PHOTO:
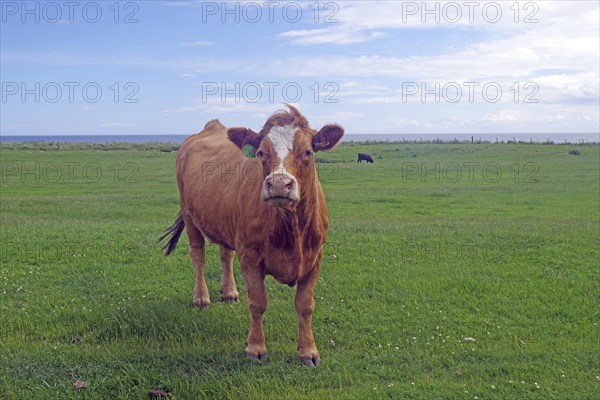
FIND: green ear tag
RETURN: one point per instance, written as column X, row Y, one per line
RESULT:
column 249, row 151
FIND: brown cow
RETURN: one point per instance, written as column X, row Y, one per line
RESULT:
column 270, row 209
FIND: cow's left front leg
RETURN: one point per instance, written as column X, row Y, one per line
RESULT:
column 305, row 304
column 257, row 304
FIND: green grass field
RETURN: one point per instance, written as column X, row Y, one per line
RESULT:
column 431, row 244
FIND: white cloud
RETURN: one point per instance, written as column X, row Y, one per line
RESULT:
column 362, row 18
column 504, row 116
column 198, row 43
column 565, row 40
column 554, row 118
column 361, row 21
column 327, row 36
column 566, row 37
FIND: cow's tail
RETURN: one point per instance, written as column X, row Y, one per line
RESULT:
column 175, row 232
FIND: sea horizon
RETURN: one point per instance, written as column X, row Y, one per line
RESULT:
column 558, row 138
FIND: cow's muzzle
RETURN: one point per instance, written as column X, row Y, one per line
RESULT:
column 280, row 190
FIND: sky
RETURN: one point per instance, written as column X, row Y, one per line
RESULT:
column 168, row 67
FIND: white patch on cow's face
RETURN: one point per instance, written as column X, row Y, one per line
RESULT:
column 282, row 138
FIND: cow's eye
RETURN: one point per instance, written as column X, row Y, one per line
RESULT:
column 308, row 153
column 260, row 154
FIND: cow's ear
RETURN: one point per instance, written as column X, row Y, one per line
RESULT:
column 327, row 137
column 243, row 136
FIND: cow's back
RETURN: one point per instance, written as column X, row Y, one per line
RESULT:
column 208, row 183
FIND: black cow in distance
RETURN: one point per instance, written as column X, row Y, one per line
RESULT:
column 365, row 157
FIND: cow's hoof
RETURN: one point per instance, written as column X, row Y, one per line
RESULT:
column 311, row 361
column 232, row 297
column 262, row 357
column 230, row 300
column 201, row 303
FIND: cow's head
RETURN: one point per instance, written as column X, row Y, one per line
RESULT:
column 286, row 146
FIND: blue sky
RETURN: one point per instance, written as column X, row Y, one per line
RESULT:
column 374, row 67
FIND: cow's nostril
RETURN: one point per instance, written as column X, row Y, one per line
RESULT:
column 289, row 185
